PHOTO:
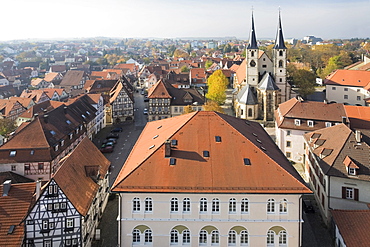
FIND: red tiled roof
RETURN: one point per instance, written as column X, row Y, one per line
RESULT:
column 355, row 78
column 13, row 209
column 359, row 116
column 354, row 226
column 241, row 72
column 147, row 170
column 159, row 91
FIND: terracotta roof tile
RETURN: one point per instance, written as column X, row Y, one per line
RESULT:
column 159, row 90
column 241, row 72
column 147, row 170
column 359, row 116
column 355, row 78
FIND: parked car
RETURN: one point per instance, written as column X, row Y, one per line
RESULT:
column 146, row 99
column 117, row 129
column 113, row 135
column 142, row 92
column 107, row 144
column 145, row 111
column 107, row 149
column 114, row 140
column 308, row 207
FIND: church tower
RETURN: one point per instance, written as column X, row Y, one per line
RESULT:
column 252, row 59
column 280, row 62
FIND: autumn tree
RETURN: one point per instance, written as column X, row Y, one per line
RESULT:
column 188, row 109
column 212, row 106
column 208, row 64
column 304, row 80
column 217, row 84
column 185, row 68
column 7, row 126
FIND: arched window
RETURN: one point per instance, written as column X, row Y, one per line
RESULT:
column 148, row 204
column 282, row 238
column 186, row 236
column 270, row 238
column 215, row 205
column 232, row 238
column 203, row 237
column 135, row 236
column 232, row 205
column 280, row 53
column 271, row 206
column 215, row 237
column 244, row 237
column 186, row 205
column 203, row 205
column 283, row 206
column 252, row 63
column 250, row 112
column 136, row 204
column 148, row 236
column 280, row 63
column 174, row 236
column 174, row 205
column 252, row 53
column 244, row 206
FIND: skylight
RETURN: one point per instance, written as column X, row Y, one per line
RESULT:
column 52, row 132
column 12, row 153
column 152, row 146
column 155, row 136
column 174, row 142
column 205, row 153
column 160, row 126
column 247, row 162
column 68, row 122
column 218, row 138
column 172, row 161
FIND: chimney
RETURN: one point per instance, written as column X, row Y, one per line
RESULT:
column 46, row 118
column 358, row 136
column 38, row 189
column 6, row 187
column 167, row 149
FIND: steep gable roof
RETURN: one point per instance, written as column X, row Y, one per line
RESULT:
column 72, row 78
column 159, row 90
column 224, row 171
column 241, row 72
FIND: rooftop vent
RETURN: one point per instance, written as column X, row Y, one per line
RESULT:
column 258, row 140
column 254, row 134
column 205, row 153
column 6, row 187
column 160, row 126
column 247, row 162
column 263, row 148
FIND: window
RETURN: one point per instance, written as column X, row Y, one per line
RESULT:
column 12, row 153
column 62, row 143
column 288, row 154
column 174, row 237
column 327, row 124
column 56, row 147
column 244, row 237
column 13, row 168
column 218, row 138
column 345, row 89
column 205, row 153
column 252, row 63
column 47, row 243
column 41, row 166
column 215, row 205
column 232, row 205
column 136, row 205
column 280, row 53
column 345, row 96
column 264, row 65
column 148, row 236
column 349, row 193
column 283, row 208
column 310, row 123
column 358, row 98
column 244, row 206
column 252, row 53
column 202, row 237
column 288, row 144
column 203, row 205
column 215, row 237
column 333, row 88
column 53, row 190
column 186, row 236
column 136, row 236
column 270, row 238
column 174, row 205
column 282, row 238
column 27, row 167
column 45, row 224
column 280, row 63
column 271, row 206
column 288, row 132
column 69, row 223
column 351, row 171
column 232, row 237
column 250, row 112
column 297, row 122
column 186, row 205
column 148, row 205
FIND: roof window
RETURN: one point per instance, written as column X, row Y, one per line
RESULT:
column 155, row 136
column 174, row 142
column 68, row 122
column 218, row 138
column 52, row 132
column 160, row 126
column 152, row 146
column 247, row 162
column 172, row 161
column 12, row 153
column 205, row 153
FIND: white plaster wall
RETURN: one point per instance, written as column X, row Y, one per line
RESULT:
column 257, row 221
column 297, row 143
column 337, row 95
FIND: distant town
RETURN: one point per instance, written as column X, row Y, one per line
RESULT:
column 185, row 142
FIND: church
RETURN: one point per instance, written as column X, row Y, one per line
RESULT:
column 261, row 84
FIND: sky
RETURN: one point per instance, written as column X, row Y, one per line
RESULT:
column 49, row 19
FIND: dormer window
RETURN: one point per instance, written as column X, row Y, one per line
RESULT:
column 297, row 122
column 327, row 124
column 310, row 123
column 70, row 136
column 62, row 143
column 350, row 166
column 56, row 148
column 12, row 153
column 351, row 171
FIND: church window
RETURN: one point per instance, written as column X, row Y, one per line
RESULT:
column 280, row 63
column 264, row 65
column 250, row 112
column 281, row 80
column 252, row 53
column 252, row 63
column 280, row 53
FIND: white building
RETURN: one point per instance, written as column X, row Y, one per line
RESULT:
column 204, row 179
column 349, row 87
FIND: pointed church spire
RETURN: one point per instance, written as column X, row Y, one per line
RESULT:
column 252, row 38
column 279, row 42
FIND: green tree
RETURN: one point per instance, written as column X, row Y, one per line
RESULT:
column 188, row 109
column 185, row 69
column 305, row 81
column 7, row 126
column 217, row 84
column 212, row 106
column 208, row 63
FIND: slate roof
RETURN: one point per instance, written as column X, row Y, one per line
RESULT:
column 73, row 168
column 14, row 177
column 224, row 171
column 246, row 96
column 267, row 83
column 13, row 208
column 252, row 37
column 354, row 226
column 279, row 41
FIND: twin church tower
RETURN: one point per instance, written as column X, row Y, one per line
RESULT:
column 264, row 86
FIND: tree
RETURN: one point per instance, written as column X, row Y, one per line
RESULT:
column 305, row 81
column 217, row 84
column 208, row 63
column 188, row 109
column 212, row 106
column 185, row 69
column 7, row 126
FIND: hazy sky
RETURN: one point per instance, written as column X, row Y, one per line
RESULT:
column 25, row 19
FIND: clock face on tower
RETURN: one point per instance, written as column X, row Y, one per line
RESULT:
column 252, row 63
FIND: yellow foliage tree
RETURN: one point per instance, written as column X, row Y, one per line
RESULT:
column 212, row 106
column 188, row 109
column 217, row 84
